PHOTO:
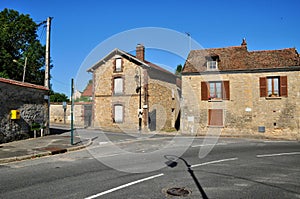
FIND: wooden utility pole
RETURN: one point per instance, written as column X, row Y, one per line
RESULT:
column 47, row 57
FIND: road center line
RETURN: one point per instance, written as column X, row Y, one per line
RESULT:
column 277, row 154
column 124, row 186
column 213, row 162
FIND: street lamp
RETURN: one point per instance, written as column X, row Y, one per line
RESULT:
column 138, row 80
column 24, row 70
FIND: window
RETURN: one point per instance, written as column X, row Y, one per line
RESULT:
column 215, row 90
column 212, row 62
column 215, row 117
column 273, row 86
column 118, row 64
column 118, row 85
column 212, row 65
column 118, row 113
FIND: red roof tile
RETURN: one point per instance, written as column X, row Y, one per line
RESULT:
column 23, row 84
column 239, row 58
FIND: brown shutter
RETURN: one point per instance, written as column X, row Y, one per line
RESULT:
column 283, row 86
column 263, row 86
column 215, row 117
column 225, row 90
column 204, row 91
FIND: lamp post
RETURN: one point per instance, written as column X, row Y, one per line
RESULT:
column 138, row 80
column 24, row 66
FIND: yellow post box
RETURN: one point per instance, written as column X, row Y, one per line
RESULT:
column 15, row 114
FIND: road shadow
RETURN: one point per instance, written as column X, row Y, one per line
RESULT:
column 172, row 162
column 58, row 131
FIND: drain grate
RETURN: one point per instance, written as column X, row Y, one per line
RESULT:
column 177, row 191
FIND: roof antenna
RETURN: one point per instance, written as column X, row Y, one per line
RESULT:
column 190, row 39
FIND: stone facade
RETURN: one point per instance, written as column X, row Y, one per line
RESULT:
column 247, row 110
column 26, row 98
column 159, row 94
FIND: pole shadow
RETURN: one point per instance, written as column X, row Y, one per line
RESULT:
column 172, row 162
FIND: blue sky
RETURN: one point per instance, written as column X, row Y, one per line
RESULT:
column 80, row 26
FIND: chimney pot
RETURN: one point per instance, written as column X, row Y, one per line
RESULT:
column 244, row 43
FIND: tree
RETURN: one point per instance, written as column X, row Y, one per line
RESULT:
column 58, row 97
column 18, row 39
column 178, row 70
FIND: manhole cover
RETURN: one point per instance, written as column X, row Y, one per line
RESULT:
column 177, row 191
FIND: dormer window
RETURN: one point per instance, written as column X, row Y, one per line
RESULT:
column 212, row 62
column 212, row 65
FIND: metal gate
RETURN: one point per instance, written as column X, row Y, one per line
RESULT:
column 87, row 115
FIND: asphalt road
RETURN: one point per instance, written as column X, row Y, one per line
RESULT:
column 133, row 166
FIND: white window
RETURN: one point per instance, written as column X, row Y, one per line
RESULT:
column 212, row 65
column 119, row 64
column 118, row 85
column 118, row 113
column 215, row 90
column 273, row 86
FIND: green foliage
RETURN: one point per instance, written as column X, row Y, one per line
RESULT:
column 58, row 97
column 83, row 99
column 18, row 39
column 178, row 70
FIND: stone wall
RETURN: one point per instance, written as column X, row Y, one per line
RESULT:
column 246, row 111
column 59, row 117
column 29, row 100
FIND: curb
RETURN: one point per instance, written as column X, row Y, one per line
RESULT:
column 43, row 154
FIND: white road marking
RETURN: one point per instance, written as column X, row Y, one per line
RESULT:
column 100, row 143
column 278, row 141
column 278, row 154
column 213, row 162
column 200, row 145
column 124, row 186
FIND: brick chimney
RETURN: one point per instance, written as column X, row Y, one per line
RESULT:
column 140, row 52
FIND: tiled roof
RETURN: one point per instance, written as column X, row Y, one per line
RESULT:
column 88, row 91
column 239, row 58
column 23, row 84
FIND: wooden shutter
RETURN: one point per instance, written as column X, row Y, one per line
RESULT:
column 118, row 85
column 118, row 113
column 118, row 64
column 215, row 117
column 283, row 86
column 263, row 86
column 204, row 91
column 225, row 90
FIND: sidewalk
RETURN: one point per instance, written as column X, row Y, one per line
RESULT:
column 38, row 147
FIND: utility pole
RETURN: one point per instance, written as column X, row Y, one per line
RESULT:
column 47, row 73
column 72, row 110
column 47, row 57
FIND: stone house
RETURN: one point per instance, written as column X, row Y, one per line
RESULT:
column 240, row 92
column 130, row 93
column 21, row 105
